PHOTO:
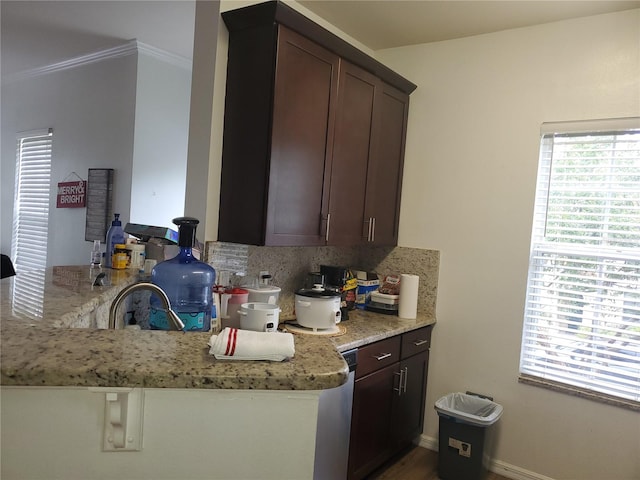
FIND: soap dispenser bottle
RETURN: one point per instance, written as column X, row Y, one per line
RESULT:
column 187, row 281
column 115, row 235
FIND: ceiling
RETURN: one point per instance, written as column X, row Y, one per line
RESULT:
column 39, row 33
column 396, row 23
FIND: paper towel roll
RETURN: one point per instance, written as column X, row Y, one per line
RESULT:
column 408, row 307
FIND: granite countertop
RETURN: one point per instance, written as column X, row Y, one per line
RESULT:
column 43, row 351
column 62, row 296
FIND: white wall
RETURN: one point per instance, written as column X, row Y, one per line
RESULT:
column 91, row 111
column 160, row 141
column 129, row 113
column 470, row 169
column 205, row 123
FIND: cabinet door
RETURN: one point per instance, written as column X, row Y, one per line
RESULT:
column 384, row 181
column 373, row 398
column 305, row 91
column 408, row 408
column 351, row 153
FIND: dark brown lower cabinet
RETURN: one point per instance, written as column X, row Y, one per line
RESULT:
column 388, row 399
column 370, row 426
column 408, row 409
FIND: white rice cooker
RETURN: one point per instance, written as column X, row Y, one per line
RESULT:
column 317, row 307
column 264, row 294
column 259, row 316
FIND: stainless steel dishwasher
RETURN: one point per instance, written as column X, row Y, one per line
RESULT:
column 334, row 426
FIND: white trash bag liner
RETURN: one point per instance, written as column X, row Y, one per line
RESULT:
column 469, row 409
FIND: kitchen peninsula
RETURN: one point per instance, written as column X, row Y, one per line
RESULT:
column 203, row 418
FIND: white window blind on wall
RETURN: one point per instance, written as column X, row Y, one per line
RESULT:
column 582, row 314
column 31, row 205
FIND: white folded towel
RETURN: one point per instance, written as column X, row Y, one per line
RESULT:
column 235, row 344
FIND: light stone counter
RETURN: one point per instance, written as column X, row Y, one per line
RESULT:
column 62, row 296
column 40, row 351
column 365, row 327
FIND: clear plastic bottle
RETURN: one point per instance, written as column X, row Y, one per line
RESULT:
column 187, row 281
column 115, row 235
column 96, row 254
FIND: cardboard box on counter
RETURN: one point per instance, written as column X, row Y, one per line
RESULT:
column 368, row 282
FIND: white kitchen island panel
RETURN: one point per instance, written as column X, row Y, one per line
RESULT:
column 57, row 433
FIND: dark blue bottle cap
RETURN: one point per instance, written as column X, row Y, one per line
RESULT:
column 186, row 230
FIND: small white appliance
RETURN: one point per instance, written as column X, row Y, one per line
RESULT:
column 317, row 307
column 264, row 294
column 259, row 316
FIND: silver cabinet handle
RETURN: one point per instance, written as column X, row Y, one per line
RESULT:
column 382, row 356
column 419, row 343
column 399, row 389
column 373, row 230
column 370, row 227
column 328, row 223
column 406, row 375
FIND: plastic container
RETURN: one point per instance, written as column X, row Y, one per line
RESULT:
column 259, row 316
column 466, row 435
column 187, row 281
column 385, row 298
column 264, row 294
column 115, row 235
column 136, row 256
column 120, row 259
column 383, row 303
column 230, row 301
column 96, row 254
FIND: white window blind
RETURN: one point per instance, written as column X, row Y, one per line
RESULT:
column 31, row 221
column 31, row 205
column 582, row 314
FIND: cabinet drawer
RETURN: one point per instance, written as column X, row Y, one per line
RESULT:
column 416, row 341
column 377, row 355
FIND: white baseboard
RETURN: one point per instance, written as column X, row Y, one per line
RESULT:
column 497, row 466
column 429, row 443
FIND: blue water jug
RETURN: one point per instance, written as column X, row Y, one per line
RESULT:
column 187, row 281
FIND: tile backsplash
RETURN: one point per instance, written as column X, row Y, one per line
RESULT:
column 289, row 266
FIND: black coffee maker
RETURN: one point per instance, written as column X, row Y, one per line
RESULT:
column 341, row 280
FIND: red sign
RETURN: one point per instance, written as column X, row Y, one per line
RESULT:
column 72, row 194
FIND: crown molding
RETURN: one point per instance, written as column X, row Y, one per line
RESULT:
column 163, row 55
column 130, row 48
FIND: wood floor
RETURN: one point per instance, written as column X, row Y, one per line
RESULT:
column 418, row 464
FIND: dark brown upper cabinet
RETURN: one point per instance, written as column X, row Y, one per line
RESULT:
column 352, row 147
column 314, row 135
column 384, row 176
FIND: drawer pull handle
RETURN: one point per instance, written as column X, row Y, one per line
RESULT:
column 419, row 343
column 382, row 356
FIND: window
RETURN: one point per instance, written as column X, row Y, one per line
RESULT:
column 582, row 315
column 31, row 219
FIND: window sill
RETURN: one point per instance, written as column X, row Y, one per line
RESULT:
column 579, row 392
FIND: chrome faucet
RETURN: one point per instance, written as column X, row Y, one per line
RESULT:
column 173, row 317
